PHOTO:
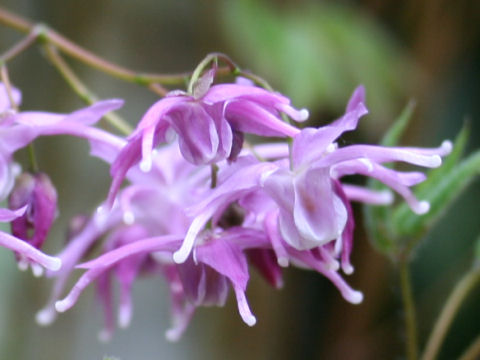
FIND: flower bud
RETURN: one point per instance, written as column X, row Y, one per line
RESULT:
column 37, row 192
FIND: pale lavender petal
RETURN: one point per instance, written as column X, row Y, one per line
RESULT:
column 5, row 103
column 249, row 117
column 30, row 252
column 320, row 216
column 7, row 215
column 368, row 196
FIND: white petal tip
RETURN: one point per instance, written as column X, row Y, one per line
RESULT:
column 303, row 115
column 250, row 320
column 104, row 336
column 386, row 197
column 37, row 270
column 128, row 217
column 45, row 317
column 172, row 335
column 179, row 256
column 62, row 305
column 422, row 207
column 356, row 297
column 446, row 147
column 145, row 166
column 54, row 264
column 124, row 317
column 22, row 265
column 347, row 269
column 283, row 262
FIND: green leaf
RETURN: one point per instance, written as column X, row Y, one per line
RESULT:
column 476, row 254
column 378, row 218
column 436, row 175
column 440, row 193
column 317, row 53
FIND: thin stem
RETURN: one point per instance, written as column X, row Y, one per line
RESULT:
column 256, row 79
column 450, row 309
column 19, row 47
column 65, row 45
column 409, row 308
column 473, row 351
column 8, row 86
column 81, row 90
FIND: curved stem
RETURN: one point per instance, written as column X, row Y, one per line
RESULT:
column 450, row 309
column 409, row 308
column 473, row 351
column 8, row 86
column 66, row 46
column 81, row 90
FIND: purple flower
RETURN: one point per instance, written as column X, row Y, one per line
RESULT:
column 38, row 194
column 23, row 249
column 210, row 124
column 313, row 204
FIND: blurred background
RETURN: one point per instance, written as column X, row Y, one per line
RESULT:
column 316, row 52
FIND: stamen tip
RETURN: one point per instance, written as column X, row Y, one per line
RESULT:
column 45, row 317
column 303, row 115
column 446, row 147
column 62, row 305
column 347, row 269
column 104, row 336
column 128, row 217
column 282, row 261
column 250, row 320
column 422, row 208
column 356, row 297
column 145, row 166
column 179, row 256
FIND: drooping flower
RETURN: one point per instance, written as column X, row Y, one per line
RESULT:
column 17, row 130
column 37, row 193
column 210, row 124
column 24, row 249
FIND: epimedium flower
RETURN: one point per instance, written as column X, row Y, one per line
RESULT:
column 313, row 203
column 23, row 248
column 37, row 193
column 17, row 130
column 209, row 123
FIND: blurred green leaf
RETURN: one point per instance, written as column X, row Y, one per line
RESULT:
column 437, row 175
column 440, row 192
column 378, row 218
column 476, row 254
column 317, row 53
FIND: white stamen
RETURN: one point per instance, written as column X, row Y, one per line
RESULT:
column 347, row 269
column 53, row 263
column 62, row 305
column 303, row 115
column 145, row 165
column 104, row 336
column 355, row 297
column 128, row 217
column 282, row 261
column 446, row 147
column 124, row 316
column 172, row 335
column 45, row 317
column 422, row 207
column 386, row 197
column 22, row 265
column 37, row 270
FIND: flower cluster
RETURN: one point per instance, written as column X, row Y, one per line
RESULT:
column 201, row 204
